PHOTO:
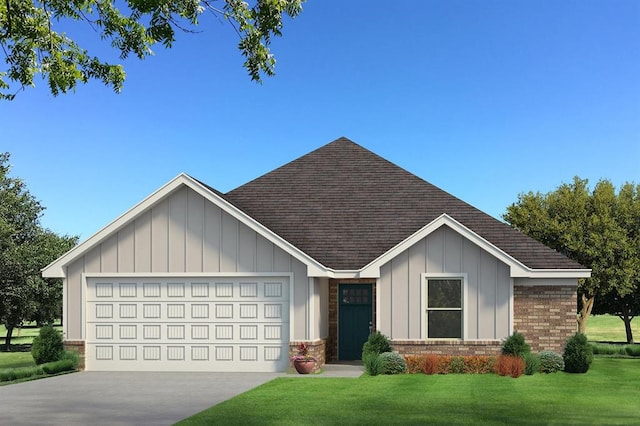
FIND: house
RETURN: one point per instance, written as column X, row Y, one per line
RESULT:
column 323, row 250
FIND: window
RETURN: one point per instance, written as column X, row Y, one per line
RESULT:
column 444, row 308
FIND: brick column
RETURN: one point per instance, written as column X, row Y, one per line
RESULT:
column 545, row 315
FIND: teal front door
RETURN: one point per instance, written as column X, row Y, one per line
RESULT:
column 355, row 316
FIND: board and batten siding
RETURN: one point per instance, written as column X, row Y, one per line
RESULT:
column 444, row 251
column 184, row 233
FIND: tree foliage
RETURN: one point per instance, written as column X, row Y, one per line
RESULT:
column 33, row 40
column 25, row 248
column 599, row 228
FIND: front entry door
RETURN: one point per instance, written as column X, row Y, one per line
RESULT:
column 354, row 319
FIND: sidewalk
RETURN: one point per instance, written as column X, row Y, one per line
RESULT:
column 336, row 370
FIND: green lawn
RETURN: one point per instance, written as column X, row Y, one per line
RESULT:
column 607, row 394
column 16, row 360
column 610, row 328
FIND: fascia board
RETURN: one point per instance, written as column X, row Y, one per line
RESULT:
column 517, row 268
column 57, row 268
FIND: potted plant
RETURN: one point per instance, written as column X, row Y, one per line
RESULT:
column 303, row 362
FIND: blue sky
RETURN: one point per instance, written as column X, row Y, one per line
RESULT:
column 485, row 99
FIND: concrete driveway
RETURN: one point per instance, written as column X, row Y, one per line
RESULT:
column 101, row 398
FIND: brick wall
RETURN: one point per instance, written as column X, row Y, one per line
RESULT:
column 448, row 347
column 76, row 346
column 545, row 315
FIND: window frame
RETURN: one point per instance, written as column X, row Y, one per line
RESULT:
column 425, row 277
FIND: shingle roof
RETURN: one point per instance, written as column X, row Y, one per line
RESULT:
column 345, row 206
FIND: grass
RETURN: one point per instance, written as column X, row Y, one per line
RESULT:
column 610, row 328
column 607, row 394
column 16, row 360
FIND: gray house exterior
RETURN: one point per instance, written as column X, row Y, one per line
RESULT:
column 322, row 250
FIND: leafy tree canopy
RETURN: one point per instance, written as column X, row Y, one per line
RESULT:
column 33, row 42
column 599, row 228
column 25, row 248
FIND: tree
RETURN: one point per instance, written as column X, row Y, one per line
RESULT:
column 33, row 40
column 25, row 248
column 600, row 229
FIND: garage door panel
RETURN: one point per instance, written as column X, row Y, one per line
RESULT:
column 216, row 324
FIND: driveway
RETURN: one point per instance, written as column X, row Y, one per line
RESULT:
column 106, row 398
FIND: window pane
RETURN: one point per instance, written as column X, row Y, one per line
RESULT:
column 445, row 324
column 444, row 294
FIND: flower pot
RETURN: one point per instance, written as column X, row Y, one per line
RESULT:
column 304, row 366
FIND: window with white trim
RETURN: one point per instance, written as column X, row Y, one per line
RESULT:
column 444, row 308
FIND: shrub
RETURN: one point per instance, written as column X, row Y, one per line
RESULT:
column 479, row 364
column 392, row 363
column 7, row 375
column 531, row 363
column 515, row 345
column 376, row 344
column 457, row 364
column 414, row 363
column 431, row 364
column 372, row 364
column 47, row 346
column 550, row 362
column 56, row 367
column 73, row 356
column 632, row 350
column 577, row 354
column 509, row 365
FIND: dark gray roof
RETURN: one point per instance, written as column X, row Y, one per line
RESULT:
column 345, row 206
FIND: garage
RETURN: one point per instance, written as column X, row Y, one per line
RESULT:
column 187, row 323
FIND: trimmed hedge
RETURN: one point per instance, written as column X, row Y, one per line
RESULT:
column 444, row 364
column 47, row 345
column 69, row 362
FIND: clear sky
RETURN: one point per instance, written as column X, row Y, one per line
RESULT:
column 485, row 99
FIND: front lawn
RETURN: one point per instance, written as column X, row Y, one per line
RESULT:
column 610, row 328
column 607, row 394
column 16, row 360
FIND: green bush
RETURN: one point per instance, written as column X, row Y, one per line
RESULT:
column 7, row 375
column 577, row 354
column 73, row 356
column 392, row 363
column 632, row 350
column 56, row 367
column 457, row 365
column 372, row 364
column 550, row 362
column 515, row 345
column 531, row 363
column 376, row 344
column 47, row 346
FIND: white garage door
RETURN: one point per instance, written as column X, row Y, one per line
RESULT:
column 210, row 324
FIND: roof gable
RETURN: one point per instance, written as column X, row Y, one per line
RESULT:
column 346, row 207
column 57, row 268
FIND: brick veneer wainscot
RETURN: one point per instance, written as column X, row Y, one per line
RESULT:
column 545, row 315
column 78, row 347
column 317, row 349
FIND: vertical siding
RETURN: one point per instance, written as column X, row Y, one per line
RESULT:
column 159, row 244
column 400, row 296
column 142, row 243
column 186, row 233
column 229, row 244
column 195, row 232
column 177, row 231
column 417, row 266
column 212, row 237
column 126, row 248
column 445, row 251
